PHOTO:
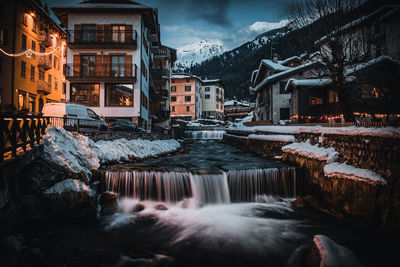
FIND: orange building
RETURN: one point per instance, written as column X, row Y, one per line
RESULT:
column 29, row 81
column 186, row 100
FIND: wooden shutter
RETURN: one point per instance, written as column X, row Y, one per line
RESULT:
column 77, row 65
column 78, row 33
column 99, row 33
column 129, row 32
column 107, row 33
column 106, row 66
column 128, row 65
column 98, row 66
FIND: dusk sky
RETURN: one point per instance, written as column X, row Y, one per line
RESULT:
column 188, row 21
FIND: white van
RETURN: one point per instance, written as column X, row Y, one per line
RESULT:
column 74, row 116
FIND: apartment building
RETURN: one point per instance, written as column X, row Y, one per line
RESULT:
column 186, row 102
column 29, row 81
column 212, row 96
column 108, row 56
column 160, row 85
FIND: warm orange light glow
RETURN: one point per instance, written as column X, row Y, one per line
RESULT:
column 32, row 14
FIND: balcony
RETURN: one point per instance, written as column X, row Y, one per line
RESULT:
column 160, row 52
column 43, row 87
column 159, row 94
column 160, row 74
column 44, row 62
column 101, row 72
column 45, row 39
column 102, row 39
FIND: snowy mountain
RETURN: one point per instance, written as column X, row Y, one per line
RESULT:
column 196, row 53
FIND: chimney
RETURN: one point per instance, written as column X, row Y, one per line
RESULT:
column 275, row 58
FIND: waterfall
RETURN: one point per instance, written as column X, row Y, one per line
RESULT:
column 224, row 187
column 208, row 135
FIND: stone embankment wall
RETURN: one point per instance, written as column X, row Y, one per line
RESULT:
column 371, row 202
column 109, row 136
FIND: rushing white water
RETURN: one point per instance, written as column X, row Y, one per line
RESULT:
column 223, row 187
column 205, row 135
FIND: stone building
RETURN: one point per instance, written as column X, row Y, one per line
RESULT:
column 109, row 56
column 29, row 81
column 212, row 96
column 186, row 102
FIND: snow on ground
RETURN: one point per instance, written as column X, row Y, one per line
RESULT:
column 342, row 170
column 333, row 254
column 281, row 138
column 79, row 153
column 310, row 151
column 352, row 130
column 70, row 185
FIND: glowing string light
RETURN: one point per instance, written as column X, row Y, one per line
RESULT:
column 29, row 52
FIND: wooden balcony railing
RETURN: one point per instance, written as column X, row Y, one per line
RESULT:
column 99, row 37
column 100, row 71
column 44, row 62
column 43, row 87
column 45, row 39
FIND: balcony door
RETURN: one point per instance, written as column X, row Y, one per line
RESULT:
column 118, row 33
column 87, row 66
column 88, row 33
column 117, row 66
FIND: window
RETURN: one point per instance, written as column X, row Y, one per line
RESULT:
column 188, row 80
column 144, row 69
column 173, row 81
column 41, row 75
column 333, row 97
column 56, row 64
column 217, row 106
column 23, row 69
column 282, row 86
column 217, row 90
column 173, row 89
column 188, row 98
column 207, row 96
column 49, row 80
column 119, row 95
column 32, row 104
column 207, row 89
column 173, row 108
column 3, row 37
column 23, row 42
column 144, row 100
column 55, row 83
column 32, row 73
column 173, row 98
column 144, row 41
column 64, row 88
column 87, row 66
column 188, row 88
column 87, row 94
column 315, row 101
column 117, row 66
column 33, row 45
column 21, row 100
column 88, row 33
column 118, row 34
column 92, row 114
column 34, row 25
column 187, row 108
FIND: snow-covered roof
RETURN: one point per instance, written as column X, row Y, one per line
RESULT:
column 314, row 54
column 253, row 75
column 184, row 76
column 285, row 61
column 236, row 103
column 308, row 83
column 274, row 66
column 364, row 65
column 285, row 73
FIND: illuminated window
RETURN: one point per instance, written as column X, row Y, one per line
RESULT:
column 119, row 95
column 315, row 101
column 21, row 100
column 118, row 33
column 86, row 94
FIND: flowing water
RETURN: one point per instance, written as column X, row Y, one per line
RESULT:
column 220, row 207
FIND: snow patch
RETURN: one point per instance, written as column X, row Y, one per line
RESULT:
column 333, row 254
column 70, row 185
column 350, row 172
column 315, row 152
column 280, row 138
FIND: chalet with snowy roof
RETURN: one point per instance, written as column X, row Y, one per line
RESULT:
column 269, row 85
column 186, row 102
column 237, row 109
column 212, row 97
column 108, row 56
column 373, row 76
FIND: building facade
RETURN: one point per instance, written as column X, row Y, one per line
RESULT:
column 29, row 81
column 160, row 85
column 186, row 101
column 212, row 96
column 237, row 109
column 109, row 56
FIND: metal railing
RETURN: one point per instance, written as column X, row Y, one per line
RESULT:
column 158, row 74
column 45, row 39
column 82, row 37
column 44, row 87
column 101, row 70
column 18, row 133
column 44, row 62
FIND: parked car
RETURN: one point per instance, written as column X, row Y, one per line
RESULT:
column 73, row 116
column 123, row 125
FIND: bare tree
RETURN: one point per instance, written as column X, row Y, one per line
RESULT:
column 344, row 43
